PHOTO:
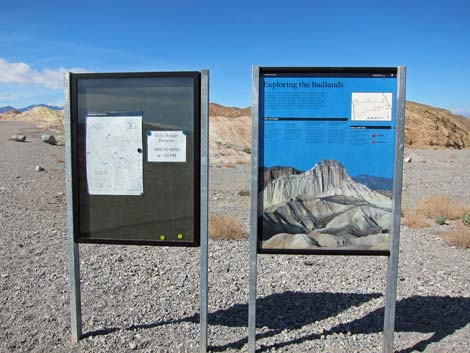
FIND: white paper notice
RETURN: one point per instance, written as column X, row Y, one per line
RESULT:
column 166, row 146
column 368, row 106
column 114, row 155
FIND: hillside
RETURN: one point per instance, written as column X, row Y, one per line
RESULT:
column 429, row 127
column 228, row 112
column 43, row 117
column 230, row 135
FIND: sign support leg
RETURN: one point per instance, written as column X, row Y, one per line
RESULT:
column 392, row 266
column 254, row 212
column 204, row 208
column 74, row 288
column 390, row 300
column 72, row 247
column 252, row 296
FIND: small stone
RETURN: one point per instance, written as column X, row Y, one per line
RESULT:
column 39, row 168
column 50, row 139
column 407, row 159
column 18, row 138
column 244, row 192
column 132, row 346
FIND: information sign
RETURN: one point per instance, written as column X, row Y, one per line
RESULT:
column 326, row 159
column 136, row 158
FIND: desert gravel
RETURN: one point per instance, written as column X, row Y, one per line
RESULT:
column 146, row 299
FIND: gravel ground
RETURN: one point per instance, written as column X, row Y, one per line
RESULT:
column 146, row 299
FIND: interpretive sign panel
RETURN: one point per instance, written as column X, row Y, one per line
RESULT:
column 326, row 159
column 136, row 158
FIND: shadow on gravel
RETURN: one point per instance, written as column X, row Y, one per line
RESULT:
column 101, row 332
column 288, row 310
column 441, row 316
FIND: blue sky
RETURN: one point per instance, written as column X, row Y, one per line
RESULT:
column 41, row 39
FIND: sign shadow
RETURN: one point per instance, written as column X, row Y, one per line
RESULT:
column 441, row 316
column 287, row 310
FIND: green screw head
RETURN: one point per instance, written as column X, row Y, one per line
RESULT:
column 180, row 236
column 162, row 237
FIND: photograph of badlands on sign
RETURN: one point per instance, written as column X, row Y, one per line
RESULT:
column 324, row 207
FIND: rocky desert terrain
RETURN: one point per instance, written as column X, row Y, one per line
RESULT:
column 145, row 299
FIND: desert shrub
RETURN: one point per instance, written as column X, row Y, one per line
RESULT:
column 246, row 150
column 243, row 192
column 459, row 236
column 466, row 218
column 441, row 220
column 412, row 219
column 225, row 227
column 440, row 205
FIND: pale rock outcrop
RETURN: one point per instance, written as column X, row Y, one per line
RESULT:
column 326, row 206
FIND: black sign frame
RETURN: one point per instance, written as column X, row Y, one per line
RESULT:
column 73, row 89
column 257, row 225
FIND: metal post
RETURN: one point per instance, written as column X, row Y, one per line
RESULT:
column 72, row 247
column 392, row 267
column 254, row 212
column 204, row 207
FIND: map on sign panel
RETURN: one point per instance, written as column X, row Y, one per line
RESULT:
column 114, row 155
column 371, row 106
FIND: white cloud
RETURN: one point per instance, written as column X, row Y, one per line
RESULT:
column 22, row 73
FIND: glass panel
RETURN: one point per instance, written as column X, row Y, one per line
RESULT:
column 163, row 110
column 326, row 161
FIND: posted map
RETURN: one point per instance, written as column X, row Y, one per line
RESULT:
column 366, row 106
column 114, row 155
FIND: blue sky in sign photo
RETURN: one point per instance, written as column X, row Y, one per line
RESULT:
column 40, row 40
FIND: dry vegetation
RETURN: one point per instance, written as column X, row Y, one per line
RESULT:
column 229, row 165
column 440, row 205
column 413, row 219
column 459, row 236
column 225, row 227
column 445, row 207
column 432, row 207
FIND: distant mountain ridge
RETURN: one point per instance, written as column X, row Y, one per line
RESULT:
column 29, row 107
column 230, row 138
column 374, row 182
column 40, row 115
column 6, row 109
column 228, row 112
